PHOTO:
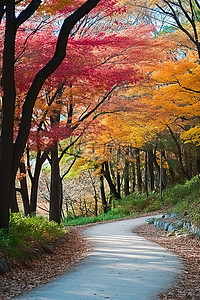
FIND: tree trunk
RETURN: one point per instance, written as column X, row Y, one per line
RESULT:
column 146, row 174
column 95, row 195
column 133, row 177
column 158, row 167
column 151, row 171
column 8, row 106
column 40, row 159
column 14, row 204
column 118, row 172
column 24, row 190
column 55, row 190
column 103, row 195
column 118, row 183
column 126, row 174
column 107, row 176
column 139, row 175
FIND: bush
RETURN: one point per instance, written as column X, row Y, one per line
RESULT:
column 24, row 232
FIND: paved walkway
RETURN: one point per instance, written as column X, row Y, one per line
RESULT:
column 121, row 266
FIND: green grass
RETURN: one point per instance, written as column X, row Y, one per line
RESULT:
column 110, row 215
column 24, row 232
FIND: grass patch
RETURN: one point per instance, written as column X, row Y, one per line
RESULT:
column 110, row 215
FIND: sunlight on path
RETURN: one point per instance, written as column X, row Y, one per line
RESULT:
column 121, row 266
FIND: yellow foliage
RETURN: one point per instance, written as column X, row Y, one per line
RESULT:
column 192, row 136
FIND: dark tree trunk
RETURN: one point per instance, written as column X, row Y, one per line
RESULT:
column 126, row 174
column 107, row 176
column 198, row 164
column 40, row 159
column 55, row 190
column 13, row 199
column 8, row 106
column 139, row 175
column 112, row 172
column 151, row 170
column 14, row 204
column 24, row 190
column 133, row 177
column 188, row 162
column 103, row 195
column 95, row 205
column 118, row 183
column 118, row 172
column 157, row 167
column 146, row 174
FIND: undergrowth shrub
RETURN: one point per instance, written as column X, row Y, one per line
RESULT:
column 24, row 232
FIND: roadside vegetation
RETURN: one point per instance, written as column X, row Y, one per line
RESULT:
column 182, row 199
column 24, row 232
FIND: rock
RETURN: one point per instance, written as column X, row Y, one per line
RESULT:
column 48, row 248
column 198, row 232
column 173, row 215
column 167, row 216
column 180, row 223
column 172, row 227
column 36, row 253
column 150, row 220
column 4, row 266
column 166, row 226
column 155, row 222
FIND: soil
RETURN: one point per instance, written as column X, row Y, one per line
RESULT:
column 67, row 254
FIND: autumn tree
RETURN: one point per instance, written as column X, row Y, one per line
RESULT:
column 12, row 150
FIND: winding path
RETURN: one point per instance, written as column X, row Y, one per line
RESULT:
column 121, row 266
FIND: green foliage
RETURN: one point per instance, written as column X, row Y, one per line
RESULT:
column 187, row 191
column 139, row 203
column 24, row 232
column 184, row 199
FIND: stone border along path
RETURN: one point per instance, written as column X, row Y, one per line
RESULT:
column 121, row 266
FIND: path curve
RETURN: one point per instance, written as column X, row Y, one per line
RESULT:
column 121, row 266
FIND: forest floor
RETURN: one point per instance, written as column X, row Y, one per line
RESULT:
column 41, row 270
column 67, row 255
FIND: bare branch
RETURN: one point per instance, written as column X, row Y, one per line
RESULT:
column 74, row 160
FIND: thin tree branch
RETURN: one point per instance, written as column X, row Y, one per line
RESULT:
column 74, row 160
column 95, row 108
column 185, row 88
